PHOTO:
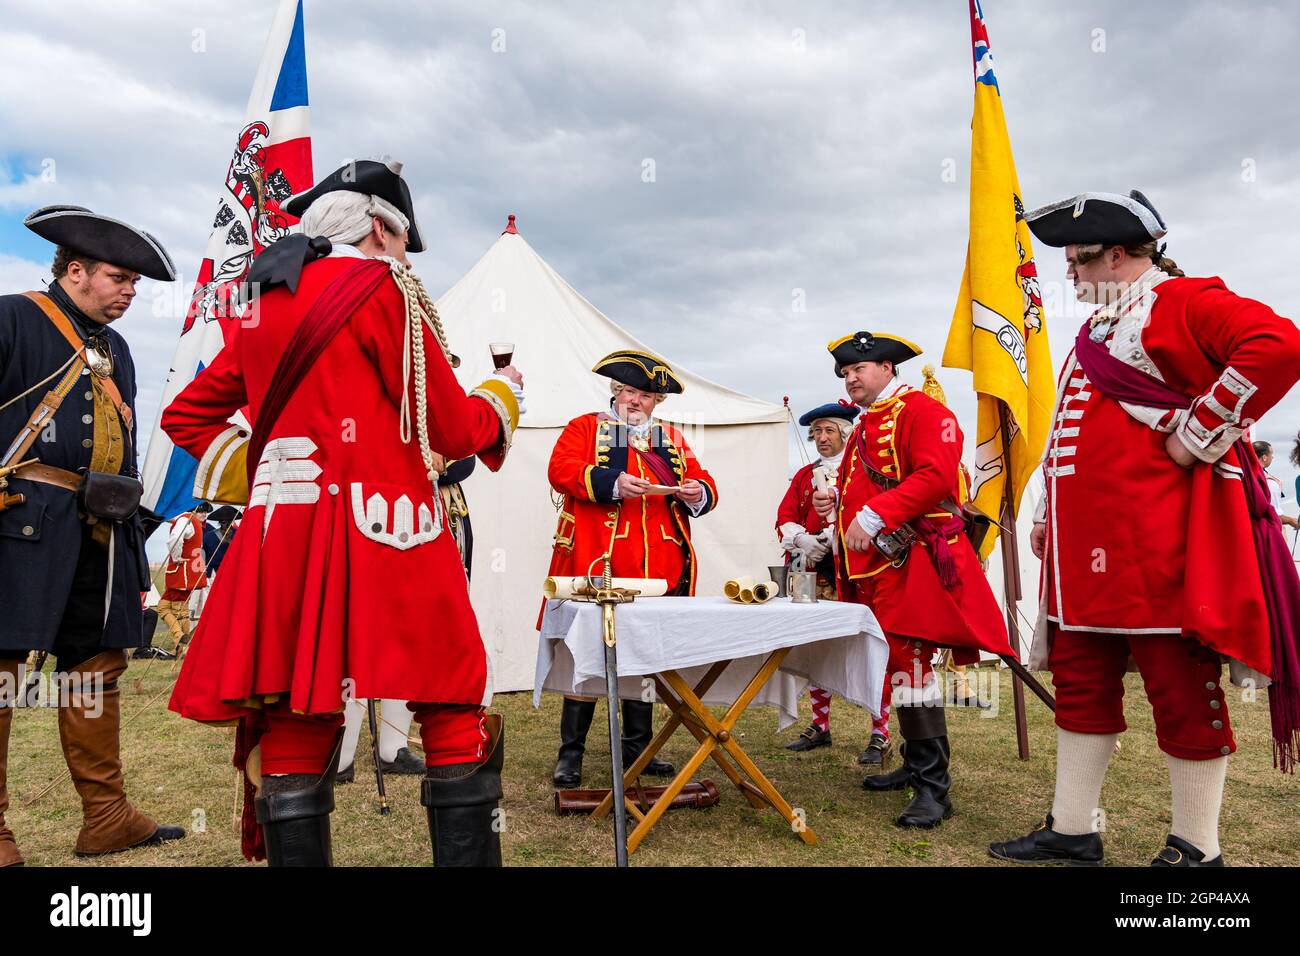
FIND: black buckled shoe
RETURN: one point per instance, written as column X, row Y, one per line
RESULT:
column 1178, row 852
column 575, row 721
column 347, row 775
column 1045, row 845
column 810, row 739
column 461, row 802
column 927, row 760
column 404, row 763
column 152, row 653
column 638, row 729
column 877, row 752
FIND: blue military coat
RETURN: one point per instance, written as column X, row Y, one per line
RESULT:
column 41, row 538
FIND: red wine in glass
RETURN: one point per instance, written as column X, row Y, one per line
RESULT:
column 502, row 353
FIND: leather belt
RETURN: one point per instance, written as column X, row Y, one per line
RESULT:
column 49, row 475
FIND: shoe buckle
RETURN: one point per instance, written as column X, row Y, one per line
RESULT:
column 1178, row 855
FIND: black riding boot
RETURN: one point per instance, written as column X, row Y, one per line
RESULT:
column 575, row 721
column 638, row 728
column 461, row 801
column 926, row 760
column 294, row 811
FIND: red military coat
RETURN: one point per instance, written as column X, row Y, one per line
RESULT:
column 650, row 536
column 183, row 571
column 912, row 437
column 1136, row 544
column 343, row 565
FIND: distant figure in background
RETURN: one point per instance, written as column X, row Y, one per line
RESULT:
column 185, row 571
column 1264, row 452
column 217, row 532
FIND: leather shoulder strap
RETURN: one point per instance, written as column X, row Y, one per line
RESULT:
column 64, row 325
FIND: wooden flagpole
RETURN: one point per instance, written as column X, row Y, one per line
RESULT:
column 1011, row 596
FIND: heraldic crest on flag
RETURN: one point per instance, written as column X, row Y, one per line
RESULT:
column 997, row 328
column 271, row 162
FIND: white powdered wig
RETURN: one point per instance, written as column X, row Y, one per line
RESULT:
column 344, row 216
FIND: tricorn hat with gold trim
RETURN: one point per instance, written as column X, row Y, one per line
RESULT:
column 870, row 347
column 641, row 370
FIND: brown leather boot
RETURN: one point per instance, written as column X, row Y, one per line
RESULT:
column 9, row 855
column 89, row 725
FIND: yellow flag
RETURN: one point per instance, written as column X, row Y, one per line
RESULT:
column 997, row 328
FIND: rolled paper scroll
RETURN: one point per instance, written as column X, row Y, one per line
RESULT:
column 764, row 591
column 565, row 588
column 733, row 587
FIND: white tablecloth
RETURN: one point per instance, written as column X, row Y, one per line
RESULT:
column 837, row 646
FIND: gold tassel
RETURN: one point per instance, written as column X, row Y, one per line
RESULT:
column 931, row 386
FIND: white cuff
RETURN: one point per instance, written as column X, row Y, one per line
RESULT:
column 516, row 390
column 788, row 532
column 697, row 507
column 870, row 522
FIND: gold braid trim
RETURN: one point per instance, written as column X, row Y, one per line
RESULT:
column 420, row 313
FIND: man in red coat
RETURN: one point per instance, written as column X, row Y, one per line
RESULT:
column 897, row 492
column 184, row 572
column 343, row 570
column 1145, row 534
column 613, row 469
column 801, row 530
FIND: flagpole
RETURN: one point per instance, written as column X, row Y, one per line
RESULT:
column 1011, row 594
column 1011, row 588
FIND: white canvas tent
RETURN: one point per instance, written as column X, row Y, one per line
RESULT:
column 512, row 295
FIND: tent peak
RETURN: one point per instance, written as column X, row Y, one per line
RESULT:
column 510, row 226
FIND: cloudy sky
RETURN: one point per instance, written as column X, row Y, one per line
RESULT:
column 795, row 147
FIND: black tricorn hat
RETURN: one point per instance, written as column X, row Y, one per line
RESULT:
column 99, row 237
column 870, row 347
column 641, row 370
column 369, row 177
column 1108, row 218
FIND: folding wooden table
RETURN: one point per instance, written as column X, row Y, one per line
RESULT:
column 854, row 669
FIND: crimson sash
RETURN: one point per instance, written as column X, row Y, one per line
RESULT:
column 324, row 320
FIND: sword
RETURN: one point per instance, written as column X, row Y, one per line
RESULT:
column 602, row 591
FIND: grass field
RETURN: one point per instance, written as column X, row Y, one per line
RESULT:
column 179, row 772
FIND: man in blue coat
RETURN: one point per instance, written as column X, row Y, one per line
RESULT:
column 72, row 558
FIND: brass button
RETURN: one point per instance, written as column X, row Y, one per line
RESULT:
column 333, row 489
column 1214, row 705
column 376, row 527
column 1225, row 750
column 87, row 419
column 87, row 442
column 89, row 396
column 1210, row 685
column 85, row 371
column 1217, row 724
column 28, row 530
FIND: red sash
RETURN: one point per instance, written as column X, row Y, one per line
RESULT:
column 324, row 320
